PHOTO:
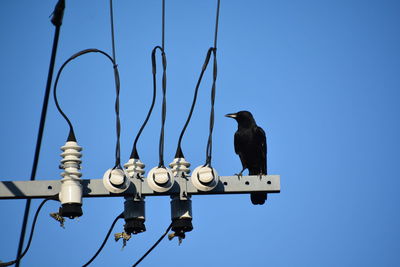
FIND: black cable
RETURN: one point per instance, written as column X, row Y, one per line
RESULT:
column 105, row 239
column 164, row 110
column 20, row 256
column 216, row 25
column 71, row 136
column 118, row 121
column 112, row 30
column 152, row 247
column 56, row 20
column 134, row 153
column 179, row 153
column 117, row 87
column 209, row 142
column 163, row 26
column 213, row 89
column 213, row 50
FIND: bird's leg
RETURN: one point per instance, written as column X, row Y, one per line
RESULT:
column 240, row 174
column 261, row 175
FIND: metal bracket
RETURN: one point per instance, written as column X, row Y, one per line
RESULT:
column 138, row 183
column 95, row 187
column 182, row 180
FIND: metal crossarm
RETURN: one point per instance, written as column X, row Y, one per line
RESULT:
column 95, row 187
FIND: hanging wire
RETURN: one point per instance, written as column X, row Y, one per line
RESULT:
column 16, row 261
column 105, row 240
column 117, row 87
column 112, row 30
column 56, row 20
column 213, row 88
column 213, row 51
column 152, row 247
column 179, row 153
column 134, row 153
column 163, row 26
column 71, row 136
column 164, row 109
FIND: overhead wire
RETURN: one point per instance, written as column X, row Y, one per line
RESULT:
column 118, row 122
column 134, row 153
column 152, row 247
column 20, row 256
column 56, row 20
column 71, row 136
column 213, row 90
column 105, row 240
column 211, row 51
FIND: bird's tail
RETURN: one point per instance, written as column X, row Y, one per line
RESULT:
column 258, row 198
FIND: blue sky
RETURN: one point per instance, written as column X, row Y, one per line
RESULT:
column 321, row 77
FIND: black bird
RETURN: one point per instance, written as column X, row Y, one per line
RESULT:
column 251, row 146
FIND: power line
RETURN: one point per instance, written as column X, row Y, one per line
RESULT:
column 20, row 256
column 105, row 239
column 56, row 20
column 152, row 247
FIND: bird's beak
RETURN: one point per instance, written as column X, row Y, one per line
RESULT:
column 231, row 115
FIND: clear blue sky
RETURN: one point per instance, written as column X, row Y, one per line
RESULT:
column 321, row 77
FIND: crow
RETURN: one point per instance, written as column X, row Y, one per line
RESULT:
column 251, row 146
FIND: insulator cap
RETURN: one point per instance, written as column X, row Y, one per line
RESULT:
column 116, row 180
column 204, row 178
column 160, row 179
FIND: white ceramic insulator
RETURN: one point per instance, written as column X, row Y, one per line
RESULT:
column 180, row 165
column 134, row 166
column 160, row 179
column 204, row 178
column 116, row 180
column 71, row 188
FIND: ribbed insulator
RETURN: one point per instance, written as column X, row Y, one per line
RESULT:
column 71, row 161
column 134, row 166
column 71, row 188
column 180, row 165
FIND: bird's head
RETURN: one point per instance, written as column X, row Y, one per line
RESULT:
column 244, row 118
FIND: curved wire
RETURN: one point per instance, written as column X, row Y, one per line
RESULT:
column 212, row 50
column 105, row 240
column 134, row 153
column 213, row 89
column 152, row 247
column 30, row 236
column 179, row 153
column 117, row 86
column 164, row 110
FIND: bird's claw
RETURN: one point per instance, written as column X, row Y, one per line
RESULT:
column 239, row 175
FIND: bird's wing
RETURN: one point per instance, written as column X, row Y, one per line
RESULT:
column 262, row 139
column 237, row 143
column 239, row 148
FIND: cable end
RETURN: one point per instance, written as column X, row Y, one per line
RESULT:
column 179, row 153
column 71, row 136
column 134, row 154
column 58, row 13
